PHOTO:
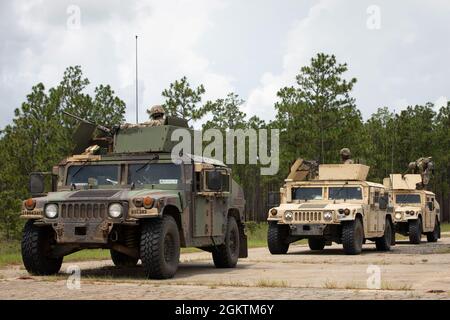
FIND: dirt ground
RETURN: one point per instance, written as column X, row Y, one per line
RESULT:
column 407, row 272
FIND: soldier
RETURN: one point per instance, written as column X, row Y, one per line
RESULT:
column 346, row 156
column 157, row 118
column 424, row 167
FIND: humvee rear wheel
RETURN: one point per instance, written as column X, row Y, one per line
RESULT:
column 316, row 243
column 160, row 247
column 384, row 243
column 277, row 238
column 415, row 231
column 352, row 236
column 435, row 234
column 36, row 250
column 226, row 255
column 122, row 260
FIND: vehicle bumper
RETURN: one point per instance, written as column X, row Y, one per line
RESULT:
column 307, row 229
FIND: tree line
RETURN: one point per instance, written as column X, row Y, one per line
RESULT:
column 317, row 116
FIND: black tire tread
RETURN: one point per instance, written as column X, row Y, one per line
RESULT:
column 33, row 256
column 415, row 231
column 151, row 250
column 276, row 238
column 220, row 254
column 381, row 243
column 348, row 237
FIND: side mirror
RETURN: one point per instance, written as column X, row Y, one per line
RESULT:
column 383, row 202
column 38, row 183
column 214, row 180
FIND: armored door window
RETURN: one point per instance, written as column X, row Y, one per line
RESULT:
column 430, row 205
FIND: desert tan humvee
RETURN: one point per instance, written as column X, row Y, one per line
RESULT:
column 330, row 203
column 416, row 212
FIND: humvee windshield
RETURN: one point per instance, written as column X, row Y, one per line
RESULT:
column 154, row 173
column 103, row 174
column 307, row 193
column 407, row 198
column 346, row 193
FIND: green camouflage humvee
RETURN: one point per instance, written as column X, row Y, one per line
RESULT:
column 124, row 193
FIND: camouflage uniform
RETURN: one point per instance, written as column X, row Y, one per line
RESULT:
column 423, row 166
column 157, row 118
column 346, row 156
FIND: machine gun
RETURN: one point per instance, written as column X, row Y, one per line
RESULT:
column 423, row 166
column 97, row 126
column 84, row 135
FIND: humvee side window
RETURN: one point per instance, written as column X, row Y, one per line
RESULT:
column 225, row 182
column 103, row 174
column 307, row 193
column 430, row 206
column 155, row 173
column 346, row 193
column 407, row 198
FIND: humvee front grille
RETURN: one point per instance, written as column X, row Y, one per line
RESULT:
column 92, row 211
column 308, row 216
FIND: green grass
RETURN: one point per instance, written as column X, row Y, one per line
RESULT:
column 445, row 227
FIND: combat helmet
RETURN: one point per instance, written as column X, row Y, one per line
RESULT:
column 156, row 112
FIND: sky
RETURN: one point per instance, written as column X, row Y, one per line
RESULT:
column 398, row 50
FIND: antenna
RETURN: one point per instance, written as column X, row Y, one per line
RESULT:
column 137, row 83
column 393, row 144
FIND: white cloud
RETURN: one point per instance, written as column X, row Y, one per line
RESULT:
column 404, row 58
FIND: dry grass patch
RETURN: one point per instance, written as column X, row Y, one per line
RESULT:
column 272, row 283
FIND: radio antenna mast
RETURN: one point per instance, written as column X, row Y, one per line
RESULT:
column 137, row 84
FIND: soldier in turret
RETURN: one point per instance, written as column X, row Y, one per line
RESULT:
column 346, row 156
column 157, row 118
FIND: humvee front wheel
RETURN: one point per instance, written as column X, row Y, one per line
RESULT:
column 352, row 236
column 384, row 243
column 277, row 238
column 122, row 260
column 434, row 235
column 160, row 247
column 415, row 231
column 36, row 250
column 227, row 254
column 316, row 243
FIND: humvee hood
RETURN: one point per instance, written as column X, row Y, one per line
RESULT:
column 106, row 194
column 319, row 206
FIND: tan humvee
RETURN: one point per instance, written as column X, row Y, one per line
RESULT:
column 416, row 212
column 332, row 204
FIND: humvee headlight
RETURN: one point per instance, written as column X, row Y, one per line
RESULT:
column 288, row 216
column 328, row 215
column 30, row 204
column 346, row 211
column 115, row 210
column 273, row 212
column 51, row 211
column 148, row 202
column 138, row 202
column 398, row 215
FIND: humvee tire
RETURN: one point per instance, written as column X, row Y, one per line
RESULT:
column 352, row 236
column 384, row 243
column 316, row 244
column 435, row 234
column 36, row 250
column 122, row 260
column 160, row 247
column 226, row 255
column 415, row 231
column 276, row 238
